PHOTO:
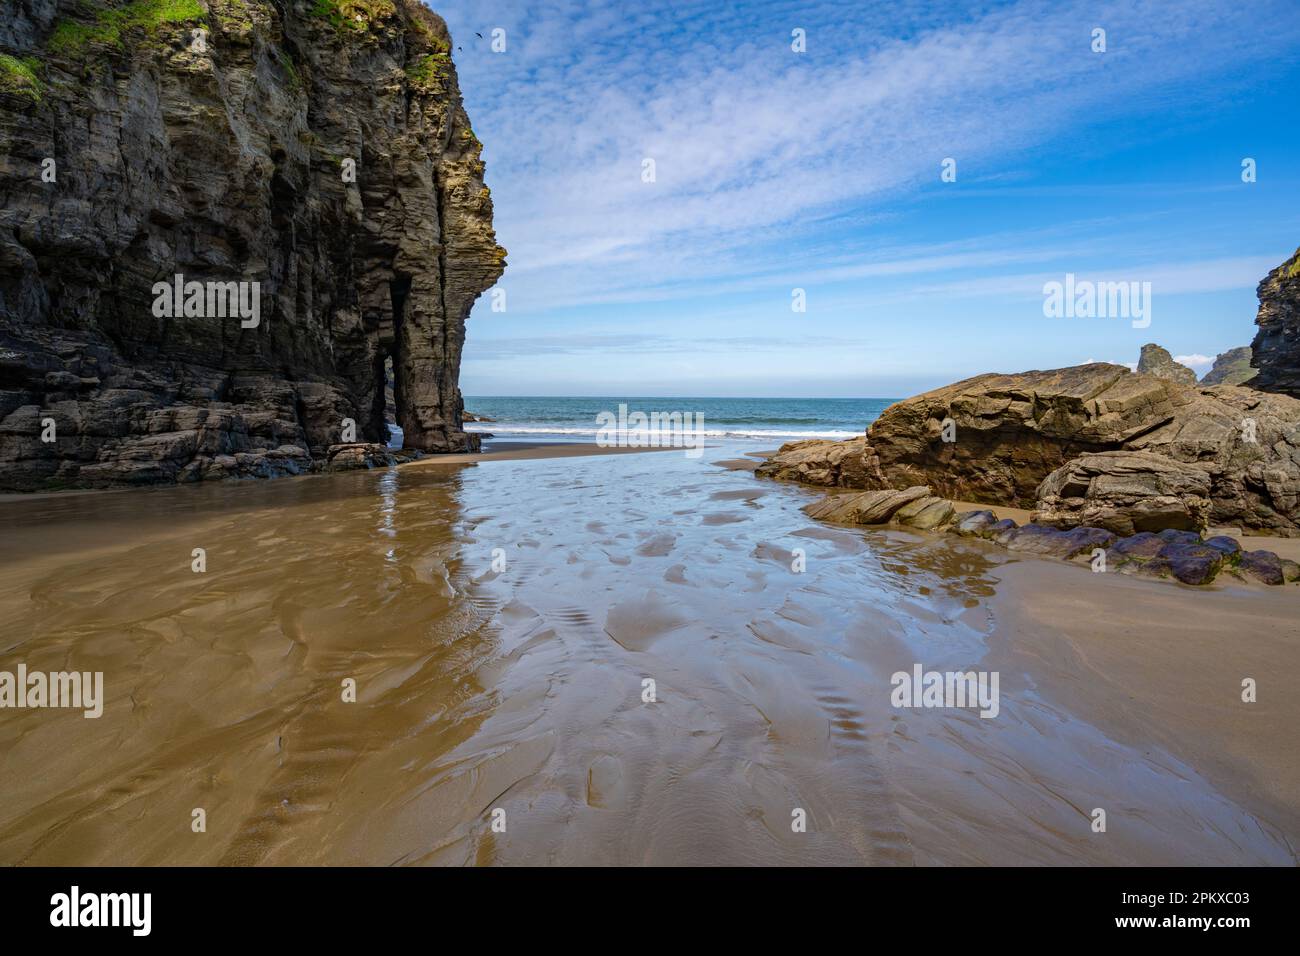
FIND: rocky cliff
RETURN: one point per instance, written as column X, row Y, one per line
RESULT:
column 218, row 220
column 1276, row 349
column 1231, row 368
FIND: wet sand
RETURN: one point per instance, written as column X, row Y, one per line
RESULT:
column 522, row 689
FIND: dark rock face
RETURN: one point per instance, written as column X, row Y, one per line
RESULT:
column 1264, row 566
column 1040, row 539
column 1225, row 543
column 1276, row 349
column 1157, row 361
column 1189, row 563
column 1140, row 546
column 231, row 161
column 1231, row 368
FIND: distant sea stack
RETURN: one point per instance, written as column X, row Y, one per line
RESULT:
column 1231, row 368
column 1277, row 343
column 1157, row 361
column 218, row 223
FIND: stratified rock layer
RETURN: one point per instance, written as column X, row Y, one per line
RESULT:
column 1276, row 349
column 1142, row 452
column 231, row 160
column 1125, row 492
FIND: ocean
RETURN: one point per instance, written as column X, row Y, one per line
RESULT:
column 744, row 419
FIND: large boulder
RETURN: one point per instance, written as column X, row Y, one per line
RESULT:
column 925, row 513
column 1189, row 562
column 819, row 462
column 1125, row 492
column 971, row 524
column 1158, row 362
column 353, row 455
column 869, row 507
column 1040, row 539
column 1276, row 349
column 1264, row 566
column 1011, row 432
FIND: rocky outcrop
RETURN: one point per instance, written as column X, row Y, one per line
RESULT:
column 1008, row 432
column 870, row 507
column 997, row 439
column 1231, row 368
column 314, row 155
column 1172, row 554
column 355, row 455
column 1125, row 492
column 817, row 461
column 1248, row 443
column 1053, row 542
column 1158, row 362
column 1276, row 349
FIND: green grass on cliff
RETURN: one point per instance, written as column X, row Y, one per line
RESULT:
column 290, row 71
column 1293, row 270
column 19, row 76
column 428, row 72
column 357, row 15
column 71, row 37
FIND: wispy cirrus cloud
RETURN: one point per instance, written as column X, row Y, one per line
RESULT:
column 607, row 344
column 777, row 170
column 759, row 151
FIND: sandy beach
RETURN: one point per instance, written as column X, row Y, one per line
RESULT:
column 500, row 623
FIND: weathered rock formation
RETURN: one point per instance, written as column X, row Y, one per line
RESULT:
column 317, row 148
column 1157, row 361
column 1170, row 554
column 1125, row 492
column 1231, row 368
column 1093, row 443
column 1008, row 433
column 818, row 461
column 1276, row 349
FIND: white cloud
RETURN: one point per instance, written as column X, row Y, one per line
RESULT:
column 755, row 146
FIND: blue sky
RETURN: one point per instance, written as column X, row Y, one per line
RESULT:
column 777, row 170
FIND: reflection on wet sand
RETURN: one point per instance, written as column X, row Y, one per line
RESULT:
column 522, row 689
